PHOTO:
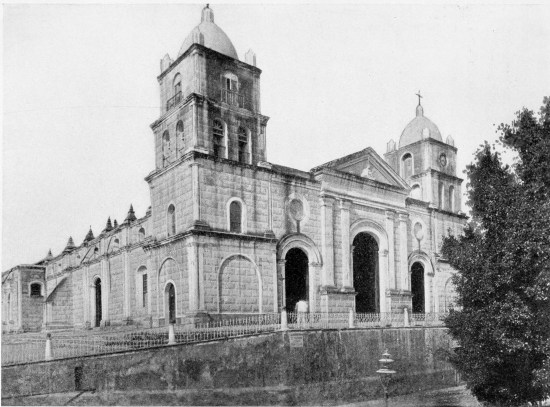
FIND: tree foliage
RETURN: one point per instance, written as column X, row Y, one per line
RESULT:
column 502, row 324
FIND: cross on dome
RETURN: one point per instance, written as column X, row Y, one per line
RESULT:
column 419, row 108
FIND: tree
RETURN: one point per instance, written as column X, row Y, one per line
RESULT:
column 502, row 322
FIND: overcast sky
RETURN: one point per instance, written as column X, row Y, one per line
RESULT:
column 80, row 92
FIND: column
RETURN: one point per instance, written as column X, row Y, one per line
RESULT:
column 126, row 265
column 281, row 280
column 383, row 280
column 427, row 188
column 327, row 241
column 269, row 205
column 105, row 289
column 86, row 294
column 346, row 246
column 194, row 128
column 200, row 274
column 403, row 252
column 392, row 272
column 150, row 268
column 275, row 283
column 19, row 301
column 314, row 270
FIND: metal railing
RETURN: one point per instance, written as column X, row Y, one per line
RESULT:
column 35, row 347
column 173, row 101
column 232, row 98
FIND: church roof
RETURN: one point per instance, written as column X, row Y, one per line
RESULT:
column 418, row 129
column 210, row 35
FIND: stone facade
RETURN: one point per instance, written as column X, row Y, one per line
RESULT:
column 229, row 233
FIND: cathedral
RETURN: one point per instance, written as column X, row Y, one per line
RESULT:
column 229, row 233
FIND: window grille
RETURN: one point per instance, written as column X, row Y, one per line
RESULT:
column 144, row 291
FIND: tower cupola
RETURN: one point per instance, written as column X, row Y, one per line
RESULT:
column 207, row 33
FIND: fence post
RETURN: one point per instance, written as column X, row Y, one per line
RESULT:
column 48, row 355
column 171, row 335
column 406, row 316
column 284, row 323
column 351, row 319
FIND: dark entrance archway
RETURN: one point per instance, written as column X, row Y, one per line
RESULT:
column 170, row 294
column 296, row 278
column 417, row 287
column 365, row 273
column 98, row 315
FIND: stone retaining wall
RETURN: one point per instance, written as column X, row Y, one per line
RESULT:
column 308, row 366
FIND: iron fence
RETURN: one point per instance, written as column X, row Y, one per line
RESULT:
column 34, row 347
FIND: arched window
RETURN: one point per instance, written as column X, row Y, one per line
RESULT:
column 171, row 220
column 451, row 200
column 407, row 166
column 165, row 147
column 244, row 156
column 218, row 138
column 177, row 85
column 441, row 195
column 141, row 234
column 179, row 135
column 36, row 290
column 235, row 217
column 142, row 284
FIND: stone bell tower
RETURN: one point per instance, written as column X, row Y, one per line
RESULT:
column 210, row 100
column 427, row 163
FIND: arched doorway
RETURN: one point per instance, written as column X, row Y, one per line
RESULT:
column 170, row 298
column 417, row 287
column 98, row 316
column 365, row 273
column 296, row 278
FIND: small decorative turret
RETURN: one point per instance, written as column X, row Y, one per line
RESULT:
column 49, row 256
column 89, row 236
column 70, row 245
column 115, row 224
column 108, row 226
column 131, row 215
column 207, row 14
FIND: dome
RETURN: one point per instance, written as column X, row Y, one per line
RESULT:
column 210, row 35
column 418, row 129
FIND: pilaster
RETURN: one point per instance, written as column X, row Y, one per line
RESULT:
column 327, row 241
column 403, row 252
column 85, row 294
column 194, row 276
column 126, row 302
column 346, row 247
column 105, row 291
column 281, row 264
column 392, row 272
